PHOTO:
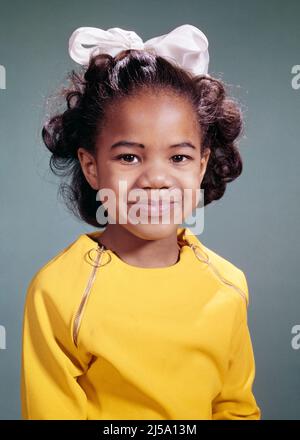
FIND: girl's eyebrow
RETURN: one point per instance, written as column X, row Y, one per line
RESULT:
column 136, row 144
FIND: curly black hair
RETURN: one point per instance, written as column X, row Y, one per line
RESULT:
column 107, row 79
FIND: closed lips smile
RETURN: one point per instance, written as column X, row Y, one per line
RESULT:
column 153, row 207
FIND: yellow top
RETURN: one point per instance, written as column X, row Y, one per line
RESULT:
column 103, row 339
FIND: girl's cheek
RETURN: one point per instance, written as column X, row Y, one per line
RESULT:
column 192, row 181
column 192, row 194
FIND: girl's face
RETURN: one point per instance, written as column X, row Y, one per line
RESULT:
column 139, row 146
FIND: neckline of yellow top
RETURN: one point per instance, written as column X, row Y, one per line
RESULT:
column 187, row 241
column 191, row 251
column 98, row 256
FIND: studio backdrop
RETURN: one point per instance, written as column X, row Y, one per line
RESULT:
column 255, row 49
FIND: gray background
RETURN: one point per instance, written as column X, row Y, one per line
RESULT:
column 253, row 46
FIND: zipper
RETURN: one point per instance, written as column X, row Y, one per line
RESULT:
column 207, row 261
column 79, row 313
column 98, row 263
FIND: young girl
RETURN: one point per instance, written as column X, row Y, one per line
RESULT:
column 140, row 320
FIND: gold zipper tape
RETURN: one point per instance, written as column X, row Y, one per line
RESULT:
column 216, row 271
column 79, row 313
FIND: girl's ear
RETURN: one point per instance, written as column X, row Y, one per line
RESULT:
column 204, row 161
column 88, row 166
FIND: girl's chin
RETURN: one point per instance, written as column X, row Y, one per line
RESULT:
column 151, row 231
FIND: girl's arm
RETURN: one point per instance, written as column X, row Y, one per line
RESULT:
column 236, row 400
column 50, row 366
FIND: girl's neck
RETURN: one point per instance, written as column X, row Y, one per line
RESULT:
column 140, row 252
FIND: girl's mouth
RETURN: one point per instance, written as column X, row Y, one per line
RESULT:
column 153, row 208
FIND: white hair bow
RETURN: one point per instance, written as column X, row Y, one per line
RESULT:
column 186, row 45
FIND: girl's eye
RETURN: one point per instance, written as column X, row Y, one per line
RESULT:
column 181, row 155
column 127, row 157
column 123, row 156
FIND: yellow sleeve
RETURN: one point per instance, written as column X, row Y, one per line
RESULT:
column 49, row 366
column 236, row 400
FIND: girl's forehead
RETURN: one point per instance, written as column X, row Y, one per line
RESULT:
column 155, row 99
column 144, row 111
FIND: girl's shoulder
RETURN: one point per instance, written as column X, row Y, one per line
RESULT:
column 224, row 270
column 230, row 272
column 59, row 279
column 58, row 262
column 229, row 279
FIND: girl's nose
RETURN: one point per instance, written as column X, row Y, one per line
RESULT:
column 156, row 175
